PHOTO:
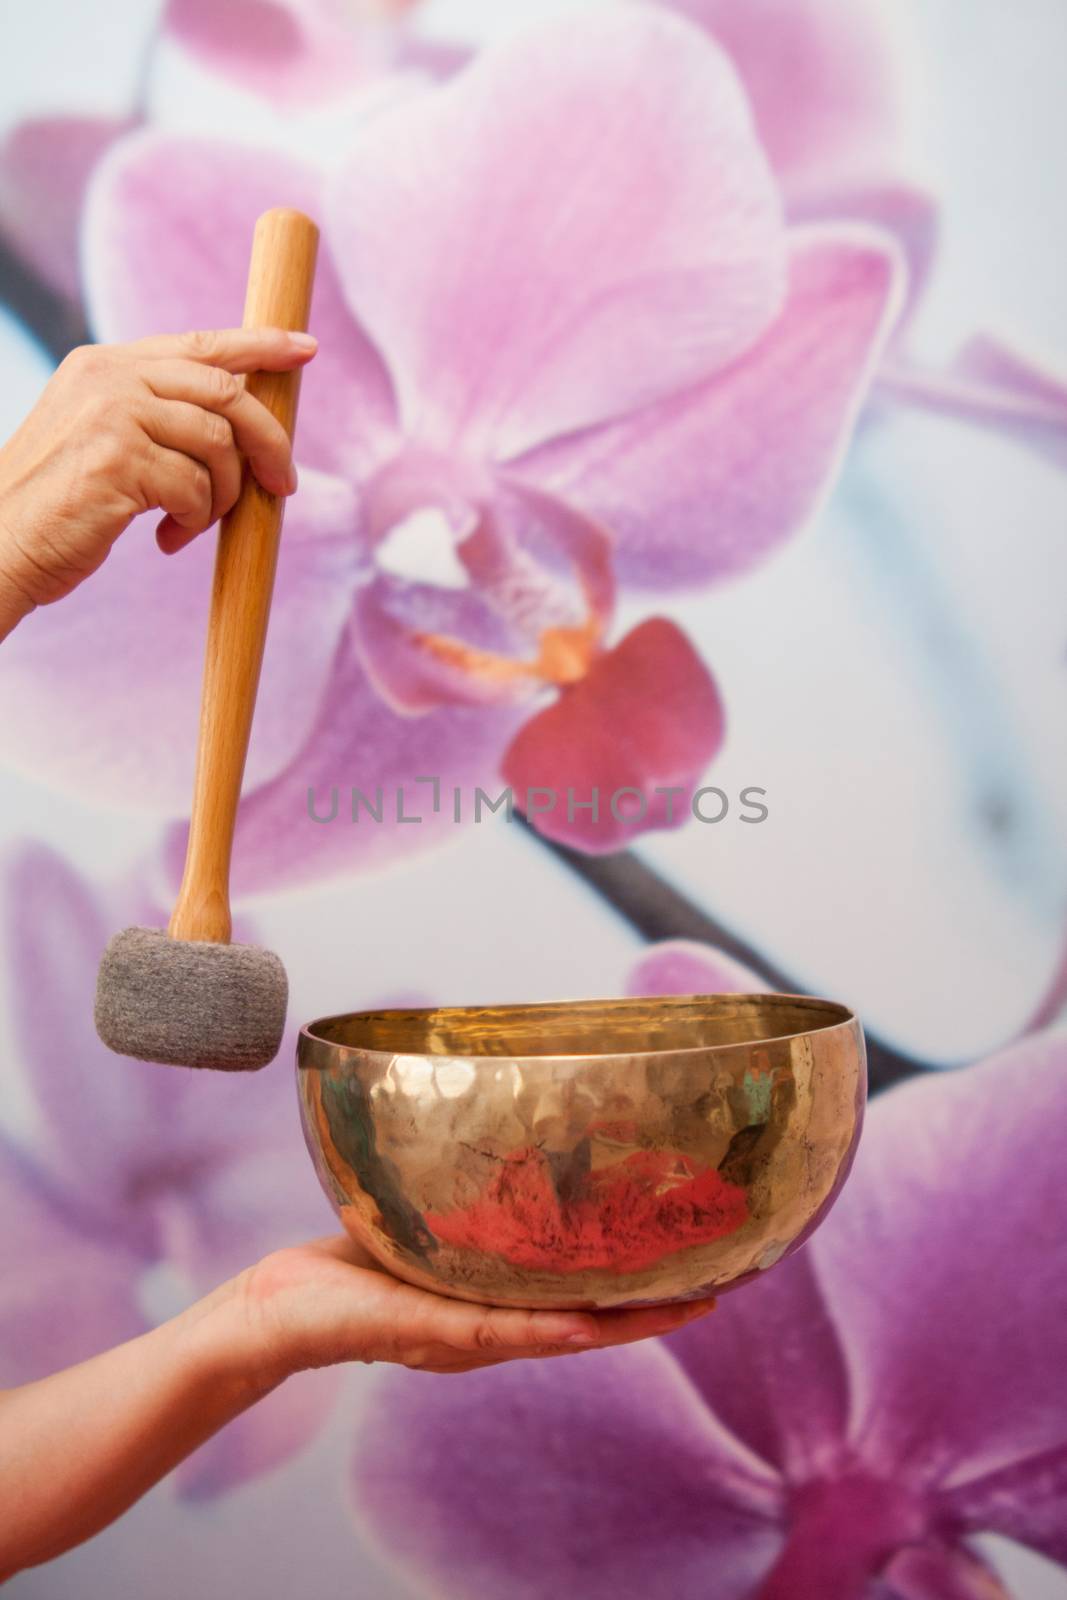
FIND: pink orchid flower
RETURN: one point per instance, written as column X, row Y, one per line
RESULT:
column 682, row 966
column 138, row 1172
column 568, row 344
column 843, row 1428
column 828, row 96
column 293, row 53
column 821, row 76
column 828, row 90
column 994, row 385
column 45, row 164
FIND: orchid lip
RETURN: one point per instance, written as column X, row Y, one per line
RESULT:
column 565, row 657
column 535, row 570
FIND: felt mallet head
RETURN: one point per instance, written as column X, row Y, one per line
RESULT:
column 191, row 1003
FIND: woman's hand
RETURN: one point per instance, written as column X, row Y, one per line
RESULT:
column 163, row 425
column 167, row 1392
column 330, row 1302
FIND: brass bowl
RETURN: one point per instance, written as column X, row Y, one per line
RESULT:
column 584, row 1154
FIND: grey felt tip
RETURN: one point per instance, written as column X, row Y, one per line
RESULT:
column 189, row 1004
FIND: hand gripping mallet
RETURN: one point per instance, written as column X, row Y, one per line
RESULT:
column 189, row 996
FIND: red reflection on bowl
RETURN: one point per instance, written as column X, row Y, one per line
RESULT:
column 622, row 1217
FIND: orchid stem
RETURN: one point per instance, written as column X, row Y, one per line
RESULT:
column 656, row 910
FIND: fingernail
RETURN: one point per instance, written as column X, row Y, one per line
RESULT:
column 582, row 1338
column 292, row 479
column 304, row 341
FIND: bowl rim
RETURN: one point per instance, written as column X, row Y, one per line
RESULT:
column 836, row 1015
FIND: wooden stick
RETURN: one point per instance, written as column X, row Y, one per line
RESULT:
column 280, row 279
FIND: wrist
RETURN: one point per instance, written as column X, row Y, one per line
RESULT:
column 16, row 602
column 228, row 1353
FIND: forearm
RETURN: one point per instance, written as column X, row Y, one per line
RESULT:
column 79, row 1448
column 15, row 602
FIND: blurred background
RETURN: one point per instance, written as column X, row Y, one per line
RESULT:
column 895, row 678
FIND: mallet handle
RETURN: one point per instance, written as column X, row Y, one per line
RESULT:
column 280, row 279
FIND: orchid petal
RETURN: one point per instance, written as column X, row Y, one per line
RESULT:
column 270, row 1434
column 396, row 624
column 708, row 483
column 772, row 1370
column 534, row 575
column 538, row 1479
column 683, row 966
column 645, row 718
column 955, row 1202
column 941, row 1572
column 578, row 224
column 139, row 1141
column 903, row 210
column 989, row 360
column 564, row 544
column 1025, row 1500
column 95, row 1107
column 65, row 1293
column 358, row 742
column 820, row 77
column 138, row 1167
column 292, row 52
column 169, row 225
column 120, row 725
column 995, row 368
column 899, row 1435
column 419, row 620
column 259, row 1217
column 45, row 165
column 989, row 385
column 231, row 1220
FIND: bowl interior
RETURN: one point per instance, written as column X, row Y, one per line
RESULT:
column 582, row 1027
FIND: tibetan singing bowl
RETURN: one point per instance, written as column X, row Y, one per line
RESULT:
column 588, row 1154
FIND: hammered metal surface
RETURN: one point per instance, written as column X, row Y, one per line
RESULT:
column 585, row 1154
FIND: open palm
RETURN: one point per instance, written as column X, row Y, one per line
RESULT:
column 329, row 1301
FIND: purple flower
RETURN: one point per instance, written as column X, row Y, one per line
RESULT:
column 682, row 966
column 829, row 104
column 568, row 345
column 842, row 1428
column 45, row 165
column 994, row 385
column 138, row 1172
column 292, row 53
column 821, row 77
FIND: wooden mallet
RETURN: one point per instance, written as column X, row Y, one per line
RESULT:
column 188, row 996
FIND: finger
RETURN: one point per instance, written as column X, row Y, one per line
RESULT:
column 206, row 437
column 649, row 1322
column 445, row 1359
column 234, row 349
column 611, row 1328
column 171, row 537
column 491, row 1330
column 258, row 435
column 181, row 487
